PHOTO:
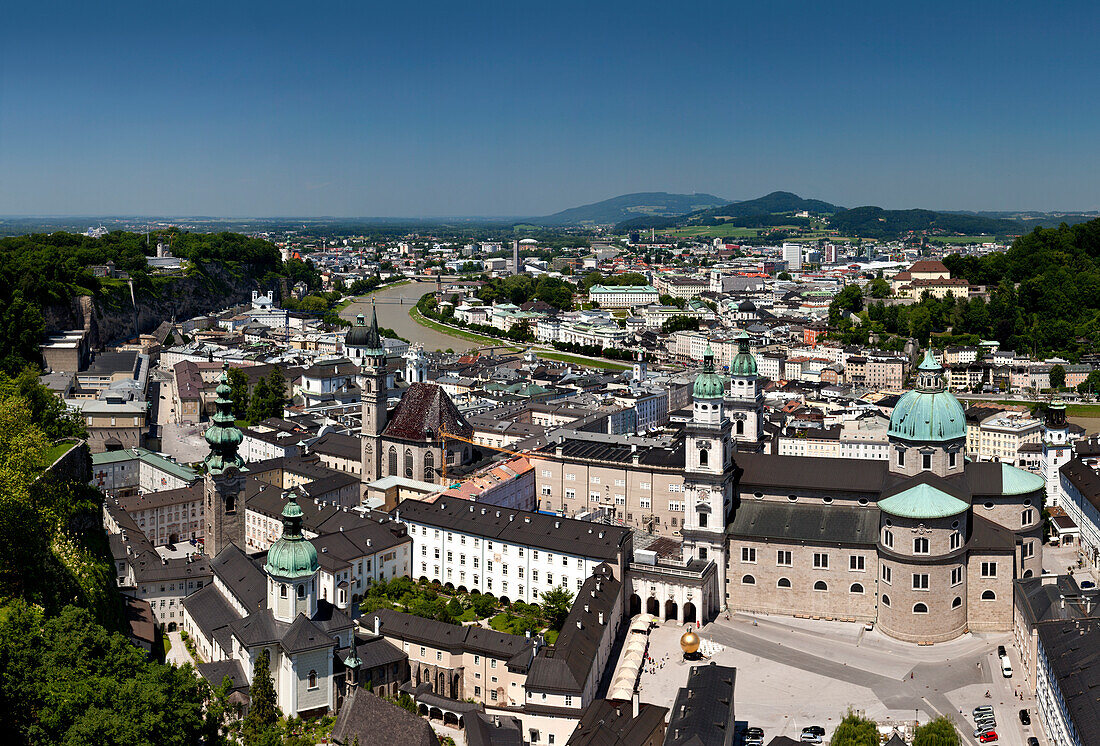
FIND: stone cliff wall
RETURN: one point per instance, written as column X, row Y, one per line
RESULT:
column 112, row 317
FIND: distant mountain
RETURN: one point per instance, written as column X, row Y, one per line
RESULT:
column 751, row 213
column 627, row 206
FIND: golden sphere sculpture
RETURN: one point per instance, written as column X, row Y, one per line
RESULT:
column 689, row 643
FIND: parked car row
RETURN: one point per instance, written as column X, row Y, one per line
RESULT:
column 985, row 724
column 810, row 734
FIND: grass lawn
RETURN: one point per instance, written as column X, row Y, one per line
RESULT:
column 415, row 315
column 551, row 636
column 165, row 646
column 55, row 451
column 562, row 357
column 727, row 231
column 962, row 239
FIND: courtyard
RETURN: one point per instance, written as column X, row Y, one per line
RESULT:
column 792, row 673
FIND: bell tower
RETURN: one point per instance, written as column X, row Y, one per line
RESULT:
column 709, row 476
column 223, row 485
column 746, row 401
column 374, row 400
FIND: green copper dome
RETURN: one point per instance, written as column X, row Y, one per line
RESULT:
column 928, row 412
column 708, row 384
column 922, row 502
column 1019, row 482
column 744, row 363
column 223, row 436
column 292, row 556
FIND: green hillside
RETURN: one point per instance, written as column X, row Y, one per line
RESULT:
column 874, row 222
column 627, row 206
column 762, row 212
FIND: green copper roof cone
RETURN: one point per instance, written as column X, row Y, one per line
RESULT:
column 292, row 556
column 223, row 436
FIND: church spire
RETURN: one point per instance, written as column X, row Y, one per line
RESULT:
column 223, row 436
column 374, row 339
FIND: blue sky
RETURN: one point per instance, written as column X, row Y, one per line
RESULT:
column 485, row 108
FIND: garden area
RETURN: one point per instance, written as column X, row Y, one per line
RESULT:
column 431, row 600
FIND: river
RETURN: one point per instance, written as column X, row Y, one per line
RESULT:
column 393, row 306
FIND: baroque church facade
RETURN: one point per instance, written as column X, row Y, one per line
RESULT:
column 406, row 443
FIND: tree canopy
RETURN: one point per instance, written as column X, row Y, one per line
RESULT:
column 855, row 730
column 938, row 732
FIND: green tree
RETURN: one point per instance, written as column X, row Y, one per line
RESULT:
column 484, row 605
column 238, row 392
column 1057, row 376
column 260, row 726
column 854, row 730
column 847, row 301
column 938, row 732
column 276, row 392
column 454, row 608
column 556, row 603
column 1090, row 384
column 879, row 288
column 259, row 403
column 785, row 276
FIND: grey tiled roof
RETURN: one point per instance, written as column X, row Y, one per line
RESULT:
column 1073, row 651
column 703, row 712
column 820, row 524
column 372, row 720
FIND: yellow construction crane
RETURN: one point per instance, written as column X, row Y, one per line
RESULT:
column 444, row 436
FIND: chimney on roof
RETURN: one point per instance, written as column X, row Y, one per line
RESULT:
column 377, row 624
column 636, row 705
column 579, row 625
column 601, row 617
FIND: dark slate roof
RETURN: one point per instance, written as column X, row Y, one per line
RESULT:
column 1041, row 599
column 987, row 536
column 373, row 652
column 338, row 445
column 579, row 449
column 1085, row 479
column 984, row 477
column 565, row 665
column 216, row 671
column 303, row 634
column 373, row 720
column 241, row 576
column 492, row 730
column 452, row 637
column 178, row 496
column 832, row 474
column 212, row 613
column 422, row 411
column 1073, row 652
column 606, row 722
column 703, row 710
column 258, row 629
column 564, row 535
column 818, row 524
column 783, row 741
column 150, row 567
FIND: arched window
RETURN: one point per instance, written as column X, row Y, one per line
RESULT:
column 282, row 590
column 989, row 596
column 302, row 591
column 856, row 588
column 957, row 602
column 821, row 585
column 920, row 545
column 312, row 679
column 784, row 583
column 393, row 462
column 920, row 608
column 408, row 462
column 703, row 456
column 748, row 580
column 885, row 600
column 429, row 466
column 231, row 503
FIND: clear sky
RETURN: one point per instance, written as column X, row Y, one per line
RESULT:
column 485, row 108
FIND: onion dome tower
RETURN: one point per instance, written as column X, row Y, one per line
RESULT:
column 223, row 523
column 746, row 398
column 292, row 568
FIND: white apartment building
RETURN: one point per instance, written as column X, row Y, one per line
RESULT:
column 1000, row 437
column 622, row 296
column 792, row 255
column 513, row 554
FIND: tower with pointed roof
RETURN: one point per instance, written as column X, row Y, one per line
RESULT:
column 1057, row 449
column 710, row 477
column 373, row 382
column 223, row 515
column 746, row 400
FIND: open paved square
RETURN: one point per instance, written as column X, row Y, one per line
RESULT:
column 792, row 673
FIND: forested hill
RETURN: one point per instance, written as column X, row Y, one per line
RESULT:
column 626, row 206
column 875, row 222
column 41, row 275
column 750, row 210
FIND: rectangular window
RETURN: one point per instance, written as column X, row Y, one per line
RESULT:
column 926, row 461
column 644, row 503
column 594, row 496
column 821, row 561
column 920, row 581
column 956, row 575
column 887, row 574
column 783, row 558
column 546, row 490
column 748, row 554
column 901, row 458
column 951, row 459
column 989, row 569
column 570, row 494
column 956, row 540
column 855, row 563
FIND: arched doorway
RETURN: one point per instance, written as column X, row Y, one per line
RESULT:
column 689, row 612
column 635, row 604
column 653, row 607
column 171, row 626
column 670, row 610
column 449, row 718
column 442, row 682
column 173, row 538
column 435, row 713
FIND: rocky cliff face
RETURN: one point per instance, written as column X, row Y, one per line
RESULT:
column 114, row 317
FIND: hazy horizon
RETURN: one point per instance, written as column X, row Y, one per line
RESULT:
column 500, row 111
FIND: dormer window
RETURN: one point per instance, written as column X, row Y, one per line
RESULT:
column 926, row 461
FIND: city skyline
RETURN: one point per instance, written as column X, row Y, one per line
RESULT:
column 501, row 110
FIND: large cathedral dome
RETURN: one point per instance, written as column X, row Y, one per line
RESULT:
column 928, row 412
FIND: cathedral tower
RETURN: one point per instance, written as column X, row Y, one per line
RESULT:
column 746, row 398
column 373, row 382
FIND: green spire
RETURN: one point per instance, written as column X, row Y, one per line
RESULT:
column 292, row 556
column 744, row 364
column 223, row 436
column 374, row 339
